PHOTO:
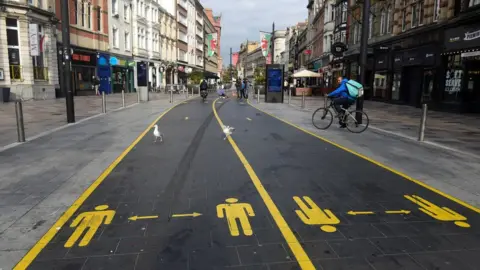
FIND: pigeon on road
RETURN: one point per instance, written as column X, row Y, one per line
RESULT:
column 157, row 134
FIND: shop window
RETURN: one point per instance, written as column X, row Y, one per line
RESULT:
column 13, row 46
column 453, row 78
column 472, row 3
column 380, row 85
column 427, row 87
column 397, row 79
column 40, row 71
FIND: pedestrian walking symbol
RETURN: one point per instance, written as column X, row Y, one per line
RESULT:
column 311, row 214
column 235, row 212
column 89, row 221
column 439, row 213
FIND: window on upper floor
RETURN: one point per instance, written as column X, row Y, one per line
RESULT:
column 344, row 11
column 417, row 13
column 127, row 41
column 116, row 36
column 370, row 25
column 99, row 18
column 383, row 22
column 126, row 12
column 114, row 7
column 389, row 24
column 404, row 15
column 472, row 3
column 436, row 10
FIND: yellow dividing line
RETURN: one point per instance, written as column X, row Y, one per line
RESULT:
column 35, row 250
column 418, row 182
column 295, row 246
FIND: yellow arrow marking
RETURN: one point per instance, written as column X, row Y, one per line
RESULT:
column 194, row 214
column 354, row 213
column 249, row 119
column 142, row 217
column 398, row 212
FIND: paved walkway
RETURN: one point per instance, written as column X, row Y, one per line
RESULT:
column 452, row 130
column 44, row 115
column 269, row 197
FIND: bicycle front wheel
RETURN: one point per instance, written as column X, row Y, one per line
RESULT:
column 354, row 125
column 322, row 118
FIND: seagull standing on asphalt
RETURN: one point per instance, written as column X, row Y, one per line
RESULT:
column 157, row 134
column 227, row 130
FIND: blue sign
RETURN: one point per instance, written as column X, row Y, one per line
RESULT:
column 113, row 61
column 274, row 77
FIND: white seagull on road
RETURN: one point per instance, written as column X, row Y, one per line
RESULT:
column 228, row 131
column 157, row 134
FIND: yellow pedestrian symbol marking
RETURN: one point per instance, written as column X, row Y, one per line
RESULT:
column 439, row 213
column 91, row 221
column 354, row 213
column 236, row 212
column 311, row 214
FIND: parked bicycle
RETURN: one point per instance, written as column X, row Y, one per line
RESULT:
column 322, row 118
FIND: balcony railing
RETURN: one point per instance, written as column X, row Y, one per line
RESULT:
column 40, row 73
column 183, row 4
column 16, row 72
column 182, row 20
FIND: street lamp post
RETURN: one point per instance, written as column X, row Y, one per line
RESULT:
column 273, row 43
column 67, row 63
column 363, row 54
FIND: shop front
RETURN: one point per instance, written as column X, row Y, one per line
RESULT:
column 461, row 69
column 84, row 70
column 414, row 73
column 122, row 74
column 381, row 77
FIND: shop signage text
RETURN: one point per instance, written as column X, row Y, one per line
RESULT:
column 81, row 57
column 472, row 35
column 338, row 48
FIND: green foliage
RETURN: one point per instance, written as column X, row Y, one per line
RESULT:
column 195, row 77
column 227, row 74
column 259, row 75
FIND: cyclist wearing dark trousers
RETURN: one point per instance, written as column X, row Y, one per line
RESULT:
column 341, row 99
column 238, row 85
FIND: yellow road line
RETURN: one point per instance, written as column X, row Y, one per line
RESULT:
column 418, row 182
column 35, row 250
column 292, row 241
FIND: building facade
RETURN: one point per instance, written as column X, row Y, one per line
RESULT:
column 211, row 62
column 315, row 37
column 245, row 48
column 279, row 47
column 253, row 60
column 328, row 27
column 217, row 23
column 28, row 62
column 120, row 45
column 154, row 43
column 420, row 52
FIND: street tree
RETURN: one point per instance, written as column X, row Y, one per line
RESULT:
column 227, row 74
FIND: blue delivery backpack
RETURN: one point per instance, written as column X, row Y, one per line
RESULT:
column 355, row 89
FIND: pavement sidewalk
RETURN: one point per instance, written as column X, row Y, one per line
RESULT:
column 456, row 131
column 450, row 172
column 41, row 178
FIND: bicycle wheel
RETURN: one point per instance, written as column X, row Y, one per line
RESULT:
column 322, row 118
column 353, row 125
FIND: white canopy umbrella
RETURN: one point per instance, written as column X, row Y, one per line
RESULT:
column 306, row 74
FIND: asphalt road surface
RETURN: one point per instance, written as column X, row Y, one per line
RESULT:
column 270, row 196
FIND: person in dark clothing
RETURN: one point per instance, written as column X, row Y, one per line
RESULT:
column 341, row 99
column 238, row 85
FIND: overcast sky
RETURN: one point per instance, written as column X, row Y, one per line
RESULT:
column 243, row 19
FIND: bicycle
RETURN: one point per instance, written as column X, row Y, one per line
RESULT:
column 325, row 116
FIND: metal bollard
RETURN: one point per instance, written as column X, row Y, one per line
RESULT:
column 303, row 99
column 192, row 91
column 20, row 125
column 186, row 93
column 123, row 98
column 171, row 96
column 138, row 96
column 289, row 94
column 104, row 103
column 325, row 99
column 423, row 122
column 258, row 96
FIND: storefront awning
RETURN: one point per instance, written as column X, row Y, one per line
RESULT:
column 210, row 75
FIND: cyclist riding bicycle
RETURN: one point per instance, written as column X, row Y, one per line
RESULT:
column 341, row 99
column 203, row 88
